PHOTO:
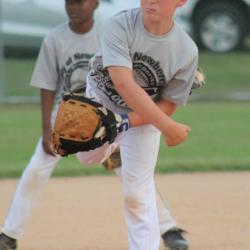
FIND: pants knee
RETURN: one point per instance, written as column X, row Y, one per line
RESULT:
column 36, row 176
column 136, row 203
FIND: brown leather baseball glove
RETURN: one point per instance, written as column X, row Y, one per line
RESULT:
column 82, row 125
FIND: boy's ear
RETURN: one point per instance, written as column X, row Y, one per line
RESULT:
column 181, row 3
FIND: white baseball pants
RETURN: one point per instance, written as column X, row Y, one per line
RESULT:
column 36, row 176
column 29, row 189
column 139, row 150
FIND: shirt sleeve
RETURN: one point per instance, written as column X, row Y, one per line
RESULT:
column 45, row 74
column 179, row 87
column 115, row 48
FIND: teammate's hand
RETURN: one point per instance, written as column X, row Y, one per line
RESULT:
column 176, row 133
column 47, row 143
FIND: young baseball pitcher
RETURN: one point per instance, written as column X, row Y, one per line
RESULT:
column 62, row 66
column 149, row 65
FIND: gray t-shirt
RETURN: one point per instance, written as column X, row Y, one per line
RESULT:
column 164, row 66
column 62, row 64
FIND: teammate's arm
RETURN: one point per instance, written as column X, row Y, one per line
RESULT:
column 137, row 99
column 47, row 100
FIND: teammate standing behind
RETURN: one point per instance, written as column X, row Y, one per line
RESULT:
column 62, row 65
column 149, row 65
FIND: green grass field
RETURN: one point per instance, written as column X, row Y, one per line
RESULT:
column 220, row 130
column 226, row 74
column 219, row 140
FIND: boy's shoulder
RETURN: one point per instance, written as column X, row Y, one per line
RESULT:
column 187, row 43
column 56, row 33
column 59, row 29
column 125, row 20
column 125, row 15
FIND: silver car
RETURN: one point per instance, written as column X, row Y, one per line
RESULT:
column 216, row 25
column 24, row 23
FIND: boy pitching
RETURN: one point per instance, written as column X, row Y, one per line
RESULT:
column 62, row 65
column 149, row 66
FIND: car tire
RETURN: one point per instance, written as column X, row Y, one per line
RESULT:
column 219, row 26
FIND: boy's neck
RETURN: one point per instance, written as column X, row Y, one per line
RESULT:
column 81, row 28
column 158, row 28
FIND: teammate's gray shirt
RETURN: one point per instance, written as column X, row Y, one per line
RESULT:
column 164, row 66
column 62, row 64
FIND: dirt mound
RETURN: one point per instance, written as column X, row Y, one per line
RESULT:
column 87, row 212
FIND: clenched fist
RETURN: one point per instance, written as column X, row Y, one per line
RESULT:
column 176, row 133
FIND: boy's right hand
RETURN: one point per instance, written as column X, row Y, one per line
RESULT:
column 47, row 143
column 176, row 133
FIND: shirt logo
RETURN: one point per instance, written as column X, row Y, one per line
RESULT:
column 73, row 73
column 147, row 73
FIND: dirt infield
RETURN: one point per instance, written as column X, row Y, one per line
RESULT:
column 86, row 213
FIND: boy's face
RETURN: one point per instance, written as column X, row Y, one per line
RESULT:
column 80, row 11
column 158, row 10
